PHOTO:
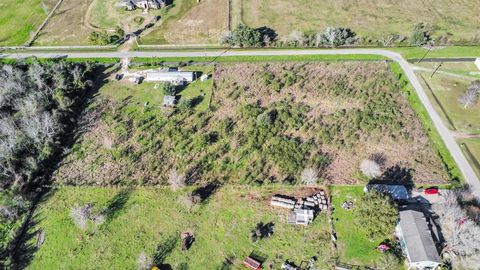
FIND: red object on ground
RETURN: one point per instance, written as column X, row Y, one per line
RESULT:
column 252, row 264
column 431, row 190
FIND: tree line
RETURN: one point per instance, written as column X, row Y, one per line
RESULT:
column 37, row 107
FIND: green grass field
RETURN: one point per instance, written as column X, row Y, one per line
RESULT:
column 453, row 19
column 444, row 89
column 19, row 19
column 353, row 246
column 148, row 217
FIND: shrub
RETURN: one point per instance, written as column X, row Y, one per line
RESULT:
column 338, row 36
column 370, row 168
column 377, row 214
column 169, row 89
column 420, row 35
column 243, row 36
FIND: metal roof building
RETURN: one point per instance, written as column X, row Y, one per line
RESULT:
column 417, row 234
column 396, row 192
column 167, row 76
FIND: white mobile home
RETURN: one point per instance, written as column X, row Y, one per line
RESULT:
column 175, row 77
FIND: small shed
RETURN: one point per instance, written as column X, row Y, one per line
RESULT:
column 251, row 263
column 396, row 192
column 477, row 63
column 303, row 216
column 169, row 101
column 205, row 77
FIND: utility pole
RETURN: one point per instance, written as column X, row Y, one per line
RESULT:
column 438, row 66
column 430, row 47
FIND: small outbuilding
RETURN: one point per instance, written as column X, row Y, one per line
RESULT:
column 175, row 77
column 477, row 63
column 303, row 216
column 418, row 236
column 396, row 192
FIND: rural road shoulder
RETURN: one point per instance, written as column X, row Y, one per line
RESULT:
column 457, row 154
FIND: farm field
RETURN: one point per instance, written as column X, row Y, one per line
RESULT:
column 453, row 19
column 67, row 26
column 221, row 226
column 445, row 88
column 260, row 129
column 19, row 19
column 190, row 22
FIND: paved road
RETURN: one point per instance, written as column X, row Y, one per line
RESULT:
column 446, row 135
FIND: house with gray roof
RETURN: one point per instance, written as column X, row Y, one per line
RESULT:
column 145, row 4
column 418, row 236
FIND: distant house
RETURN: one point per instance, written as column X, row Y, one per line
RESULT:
column 175, row 77
column 144, row 4
column 418, row 237
column 477, row 63
column 169, row 101
column 396, row 192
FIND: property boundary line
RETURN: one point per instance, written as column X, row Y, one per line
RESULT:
column 40, row 28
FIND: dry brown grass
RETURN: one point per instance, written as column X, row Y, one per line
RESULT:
column 67, row 26
column 458, row 19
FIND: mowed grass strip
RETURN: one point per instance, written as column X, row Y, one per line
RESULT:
column 149, row 217
column 471, row 149
column 18, row 19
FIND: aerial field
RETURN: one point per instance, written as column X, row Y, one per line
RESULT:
column 19, row 19
column 67, row 26
column 266, row 123
column 145, row 218
column 446, row 87
column 456, row 20
column 190, row 22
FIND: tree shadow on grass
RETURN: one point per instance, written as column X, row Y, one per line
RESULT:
column 396, row 175
column 164, row 249
column 116, row 204
column 205, row 192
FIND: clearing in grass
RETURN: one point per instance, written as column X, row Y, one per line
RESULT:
column 139, row 222
column 266, row 123
column 455, row 20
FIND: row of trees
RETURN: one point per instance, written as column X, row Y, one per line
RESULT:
column 36, row 109
column 245, row 36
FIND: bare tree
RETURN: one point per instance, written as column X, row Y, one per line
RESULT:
column 370, row 168
column 309, row 176
column 80, row 215
column 470, row 97
column 176, row 179
column 462, row 235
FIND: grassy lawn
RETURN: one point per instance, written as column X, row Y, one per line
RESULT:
column 190, row 22
column 353, row 246
column 447, row 52
column 19, row 19
column 471, row 148
column 367, row 18
column 444, row 91
column 148, row 217
column 427, row 123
